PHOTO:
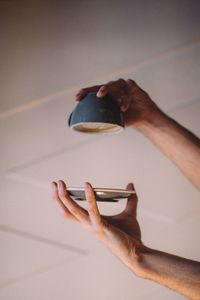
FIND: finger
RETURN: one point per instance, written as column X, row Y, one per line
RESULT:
column 64, row 209
column 131, row 205
column 93, row 210
column 102, row 91
column 124, row 105
column 83, row 92
column 80, row 95
column 114, row 88
column 132, row 83
column 120, row 92
column 78, row 212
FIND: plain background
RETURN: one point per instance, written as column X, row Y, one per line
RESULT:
column 48, row 51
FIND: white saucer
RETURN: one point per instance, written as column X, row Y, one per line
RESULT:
column 102, row 194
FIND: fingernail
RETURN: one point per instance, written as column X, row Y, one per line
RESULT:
column 59, row 185
column 101, row 91
column 86, row 184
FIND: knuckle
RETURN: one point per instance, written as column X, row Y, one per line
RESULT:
column 121, row 81
column 131, row 81
column 98, row 229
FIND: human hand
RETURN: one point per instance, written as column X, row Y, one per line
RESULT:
column 120, row 233
column 135, row 104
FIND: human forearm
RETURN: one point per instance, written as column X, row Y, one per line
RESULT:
column 176, row 142
column 139, row 111
column 122, row 236
column 177, row 273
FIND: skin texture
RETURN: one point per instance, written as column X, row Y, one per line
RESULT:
column 122, row 236
column 121, row 233
column 139, row 111
column 135, row 103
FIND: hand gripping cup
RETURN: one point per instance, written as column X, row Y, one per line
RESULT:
column 96, row 115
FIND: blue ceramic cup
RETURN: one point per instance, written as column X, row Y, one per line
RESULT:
column 96, row 115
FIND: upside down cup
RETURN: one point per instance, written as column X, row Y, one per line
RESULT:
column 97, row 115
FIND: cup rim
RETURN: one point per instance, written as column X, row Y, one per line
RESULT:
column 118, row 127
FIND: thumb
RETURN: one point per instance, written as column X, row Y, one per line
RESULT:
column 131, row 205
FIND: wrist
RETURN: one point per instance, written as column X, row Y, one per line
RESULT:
column 138, row 260
column 144, row 115
column 144, row 262
column 155, row 119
